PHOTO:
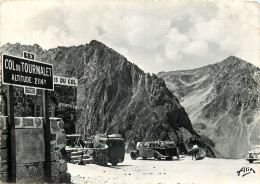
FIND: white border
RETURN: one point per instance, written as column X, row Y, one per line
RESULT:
column 25, row 85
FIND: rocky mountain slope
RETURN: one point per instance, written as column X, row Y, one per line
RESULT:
column 117, row 96
column 223, row 104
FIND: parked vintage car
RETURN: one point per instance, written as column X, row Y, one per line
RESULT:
column 254, row 154
column 156, row 150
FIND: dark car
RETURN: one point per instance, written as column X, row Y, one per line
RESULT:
column 156, row 150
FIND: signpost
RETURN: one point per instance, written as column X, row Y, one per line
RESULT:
column 65, row 81
column 26, row 72
column 32, row 75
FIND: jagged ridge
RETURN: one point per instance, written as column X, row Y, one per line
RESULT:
column 117, row 95
column 222, row 101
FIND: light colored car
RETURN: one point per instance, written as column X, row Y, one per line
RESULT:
column 254, row 154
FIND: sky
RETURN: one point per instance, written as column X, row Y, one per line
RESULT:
column 155, row 35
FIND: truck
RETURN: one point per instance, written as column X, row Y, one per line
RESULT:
column 102, row 148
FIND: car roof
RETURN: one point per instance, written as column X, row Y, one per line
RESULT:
column 73, row 135
column 257, row 146
column 148, row 142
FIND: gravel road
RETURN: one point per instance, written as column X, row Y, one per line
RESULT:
column 186, row 170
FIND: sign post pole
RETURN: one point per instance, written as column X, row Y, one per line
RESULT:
column 11, row 137
column 47, row 136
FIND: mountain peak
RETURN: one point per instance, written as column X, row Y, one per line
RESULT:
column 234, row 61
column 222, row 101
column 96, row 43
column 233, row 57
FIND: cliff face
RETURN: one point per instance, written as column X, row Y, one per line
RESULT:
column 117, row 96
column 223, row 103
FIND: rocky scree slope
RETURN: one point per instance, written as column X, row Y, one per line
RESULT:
column 222, row 101
column 118, row 96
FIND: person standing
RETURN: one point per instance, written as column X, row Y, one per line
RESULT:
column 194, row 151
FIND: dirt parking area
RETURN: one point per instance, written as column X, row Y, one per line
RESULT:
column 186, row 170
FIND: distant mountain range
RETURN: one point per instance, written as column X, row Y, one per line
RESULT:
column 117, row 96
column 223, row 104
column 221, row 100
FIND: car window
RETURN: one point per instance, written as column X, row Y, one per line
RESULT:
column 170, row 145
column 152, row 145
column 156, row 145
column 146, row 145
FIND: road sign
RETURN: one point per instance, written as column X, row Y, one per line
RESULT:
column 65, row 81
column 26, row 72
column 29, row 91
column 28, row 55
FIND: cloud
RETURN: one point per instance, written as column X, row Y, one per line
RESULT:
column 147, row 32
column 176, row 42
column 155, row 36
column 235, row 28
column 180, row 44
column 208, row 30
column 14, row 16
column 197, row 47
column 158, row 59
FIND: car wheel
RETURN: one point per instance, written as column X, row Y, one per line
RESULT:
column 156, row 157
column 114, row 164
column 144, row 158
column 251, row 161
column 133, row 158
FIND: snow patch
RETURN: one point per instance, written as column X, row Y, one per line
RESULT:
column 195, row 82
